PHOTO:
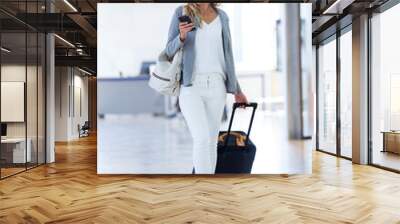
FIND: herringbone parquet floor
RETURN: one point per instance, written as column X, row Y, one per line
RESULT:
column 69, row 191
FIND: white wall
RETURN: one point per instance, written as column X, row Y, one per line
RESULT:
column 129, row 34
column 33, row 126
column 17, row 73
column 61, row 103
column 69, row 82
column 79, row 117
column 254, row 36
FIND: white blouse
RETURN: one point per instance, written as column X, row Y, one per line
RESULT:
column 209, row 52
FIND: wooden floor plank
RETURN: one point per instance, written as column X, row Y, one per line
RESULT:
column 70, row 191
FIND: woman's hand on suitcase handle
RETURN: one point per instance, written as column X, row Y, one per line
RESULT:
column 241, row 98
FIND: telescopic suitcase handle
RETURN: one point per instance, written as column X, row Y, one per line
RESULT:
column 235, row 106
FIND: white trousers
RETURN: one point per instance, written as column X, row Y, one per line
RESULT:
column 202, row 105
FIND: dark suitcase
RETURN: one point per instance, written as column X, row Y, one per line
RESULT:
column 236, row 151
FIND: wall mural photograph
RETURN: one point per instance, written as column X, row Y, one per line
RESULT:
column 227, row 69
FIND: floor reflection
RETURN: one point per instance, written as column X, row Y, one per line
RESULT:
column 144, row 144
column 386, row 159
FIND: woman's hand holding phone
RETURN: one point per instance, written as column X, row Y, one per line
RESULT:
column 184, row 28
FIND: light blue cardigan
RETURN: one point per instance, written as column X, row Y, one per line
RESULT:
column 174, row 43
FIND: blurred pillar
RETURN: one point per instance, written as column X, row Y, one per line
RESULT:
column 50, row 92
column 292, row 68
column 360, row 90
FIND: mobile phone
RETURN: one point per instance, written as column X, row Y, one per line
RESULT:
column 184, row 18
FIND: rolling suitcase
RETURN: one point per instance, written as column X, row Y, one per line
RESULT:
column 236, row 151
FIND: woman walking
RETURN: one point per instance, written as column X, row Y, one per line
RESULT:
column 208, row 74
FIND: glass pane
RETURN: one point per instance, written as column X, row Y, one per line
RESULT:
column 346, row 94
column 306, row 74
column 14, row 153
column 31, row 86
column 386, row 89
column 41, row 98
column 31, row 100
column 327, row 97
column 22, row 89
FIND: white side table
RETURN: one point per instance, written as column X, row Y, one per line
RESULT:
column 19, row 155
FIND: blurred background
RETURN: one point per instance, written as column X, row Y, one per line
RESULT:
column 141, row 131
